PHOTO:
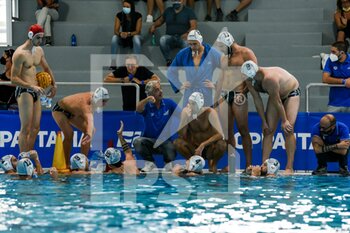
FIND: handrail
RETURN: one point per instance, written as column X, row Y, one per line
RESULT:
column 95, row 83
column 98, row 83
column 317, row 85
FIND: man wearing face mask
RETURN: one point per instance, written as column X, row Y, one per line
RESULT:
column 337, row 71
column 283, row 103
column 330, row 140
column 179, row 20
column 78, row 110
column 23, row 75
column 7, row 96
column 200, row 132
column 127, row 30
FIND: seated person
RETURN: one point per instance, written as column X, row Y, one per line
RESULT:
column 194, row 166
column 7, row 96
column 200, row 132
column 341, row 19
column 330, row 140
column 127, row 30
column 269, row 168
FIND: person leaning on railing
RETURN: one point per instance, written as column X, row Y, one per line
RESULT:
column 337, row 71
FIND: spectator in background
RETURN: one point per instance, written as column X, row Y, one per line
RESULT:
column 331, row 141
column 179, row 20
column 131, row 73
column 219, row 13
column 337, row 71
column 156, row 111
column 341, row 19
column 233, row 16
column 7, row 92
column 127, row 30
column 150, row 7
column 47, row 10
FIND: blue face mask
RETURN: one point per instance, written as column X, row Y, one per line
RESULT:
column 126, row 10
column 177, row 5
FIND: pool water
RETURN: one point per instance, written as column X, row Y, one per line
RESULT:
column 164, row 203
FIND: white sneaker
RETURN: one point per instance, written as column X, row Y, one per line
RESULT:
column 149, row 19
column 168, row 167
column 148, row 166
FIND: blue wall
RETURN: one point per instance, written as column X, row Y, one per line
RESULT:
column 304, row 158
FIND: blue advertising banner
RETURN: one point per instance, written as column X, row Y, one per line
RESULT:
column 133, row 127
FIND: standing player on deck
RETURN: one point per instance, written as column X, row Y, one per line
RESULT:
column 23, row 72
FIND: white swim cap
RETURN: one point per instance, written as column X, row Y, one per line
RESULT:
column 78, row 161
column 273, row 166
column 100, row 93
column 23, row 155
column 249, row 69
column 195, row 35
column 226, row 38
column 25, row 167
column 196, row 163
column 6, row 163
column 112, row 155
column 198, row 98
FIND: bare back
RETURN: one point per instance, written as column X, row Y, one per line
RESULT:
column 78, row 104
column 286, row 81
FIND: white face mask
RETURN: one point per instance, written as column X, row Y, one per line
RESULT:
column 126, row 10
column 333, row 57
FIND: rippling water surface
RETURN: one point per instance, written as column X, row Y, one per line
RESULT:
column 211, row 203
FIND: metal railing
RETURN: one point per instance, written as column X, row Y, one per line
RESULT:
column 310, row 85
column 99, row 83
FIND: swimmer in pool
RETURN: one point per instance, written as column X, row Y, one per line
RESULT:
column 194, row 167
column 269, row 168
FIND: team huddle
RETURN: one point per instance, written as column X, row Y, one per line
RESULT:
column 206, row 124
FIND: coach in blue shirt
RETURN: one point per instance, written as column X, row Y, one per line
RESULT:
column 156, row 112
column 337, row 71
column 330, row 140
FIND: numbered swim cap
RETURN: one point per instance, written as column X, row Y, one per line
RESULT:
column 196, row 163
column 226, row 38
column 195, row 35
column 112, row 155
column 6, row 163
column 78, row 161
column 100, row 93
column 249, row 69
column 273, row 166
column 198, row 98
column 25, row 167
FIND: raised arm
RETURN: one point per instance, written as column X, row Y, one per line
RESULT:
column 140, row 107
column 33, row 154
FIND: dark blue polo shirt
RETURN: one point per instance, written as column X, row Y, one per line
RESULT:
column 339, row 96
column 340, row 133
column 156, row 119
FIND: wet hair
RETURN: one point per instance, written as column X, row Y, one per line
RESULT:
column 150, row 87
column 341, row 46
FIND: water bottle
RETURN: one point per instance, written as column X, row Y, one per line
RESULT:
column 48, row 102
column 73, row 40
column 153, row 39
column 43, row 100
